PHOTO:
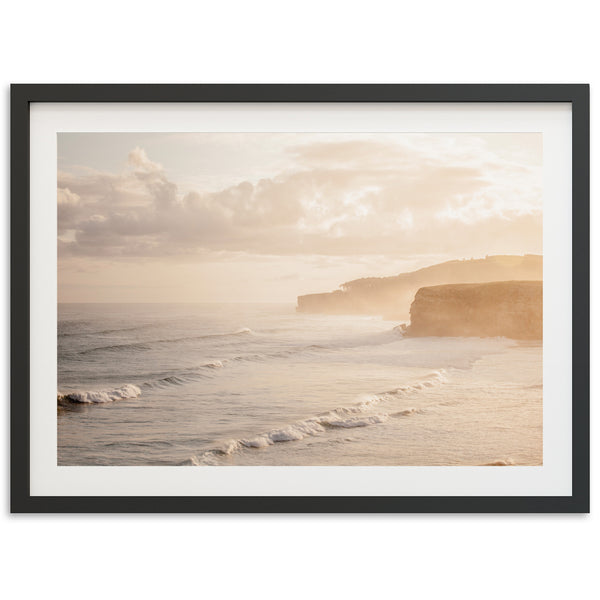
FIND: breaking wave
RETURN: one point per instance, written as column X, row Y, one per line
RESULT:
column 101, row 396
column 356, row 415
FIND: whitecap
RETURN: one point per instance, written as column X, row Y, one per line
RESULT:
column 101, row 396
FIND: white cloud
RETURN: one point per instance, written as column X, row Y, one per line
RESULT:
column 139, row 159
column 67, row 198
column 343, row 198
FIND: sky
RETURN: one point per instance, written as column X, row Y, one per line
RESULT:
column 265, row 217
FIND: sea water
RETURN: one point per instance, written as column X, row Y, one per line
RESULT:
column 260, row 384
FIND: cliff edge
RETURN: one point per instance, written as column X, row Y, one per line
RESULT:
column 510, row 309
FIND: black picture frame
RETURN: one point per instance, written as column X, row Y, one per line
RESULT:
column 22, row 95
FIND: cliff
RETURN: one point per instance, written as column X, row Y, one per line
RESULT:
column 391, row 296
column 510, row 309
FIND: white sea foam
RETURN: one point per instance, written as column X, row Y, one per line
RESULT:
column 368, row 401
column 242, row 330
column 345, row 417
column 291, row 433
column 355, row 421
column 217, row 364
column 101, row 396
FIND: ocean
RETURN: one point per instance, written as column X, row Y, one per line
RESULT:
column 260, row 384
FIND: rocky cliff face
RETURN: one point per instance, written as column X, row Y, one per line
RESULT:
column 510, row 309
column 391, row 296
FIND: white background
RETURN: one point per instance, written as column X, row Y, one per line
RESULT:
column 473, row 556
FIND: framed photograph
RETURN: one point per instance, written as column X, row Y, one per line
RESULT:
column 300, row 298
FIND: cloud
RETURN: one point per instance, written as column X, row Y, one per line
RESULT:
column 139, row 159
column 341, row 198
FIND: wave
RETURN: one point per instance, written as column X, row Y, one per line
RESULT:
column 116, row 347
column 504, row 462
column 133, row 391
column 167, row 381
column 200, row 372
column 345, row 417
column 147, row 345
column 408, row 412
column 217, row 364
column 183, row 377
column 372, row 339
column 386, row 337
column 290, row 433
column 101, row 396
column 104, row 331
column 203, row 371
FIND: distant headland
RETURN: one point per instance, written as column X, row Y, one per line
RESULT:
column 391, row 297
